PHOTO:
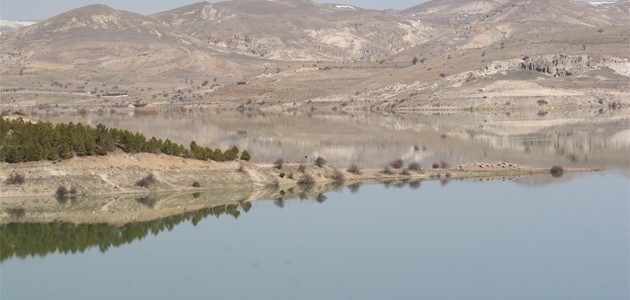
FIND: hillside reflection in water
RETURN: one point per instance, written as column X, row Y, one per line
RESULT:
column 577, row 139
column 491, row 240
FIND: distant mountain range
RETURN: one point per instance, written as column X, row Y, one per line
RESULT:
column 245, row 38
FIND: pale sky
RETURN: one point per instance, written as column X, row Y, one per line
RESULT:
column 44, row 9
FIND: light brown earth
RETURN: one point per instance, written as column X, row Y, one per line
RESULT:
column 106, row 185
column 296, row 54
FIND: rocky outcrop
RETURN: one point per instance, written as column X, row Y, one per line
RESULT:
column 556, row 65
column 559, row 65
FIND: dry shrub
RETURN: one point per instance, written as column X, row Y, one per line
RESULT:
column 306, row 180
column 320, row 162
column 61, row 192
column 278, row 164
column 414, row 166
column 557, row 171
column 440, row 165
column 405, row 172
column 354, row 169
column 339, row 177
column 302, row 168
column 388, row 171
column 397, row 164
column 15, row 178
column 147, row 181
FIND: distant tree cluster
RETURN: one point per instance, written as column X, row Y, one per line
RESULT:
column 22, row 141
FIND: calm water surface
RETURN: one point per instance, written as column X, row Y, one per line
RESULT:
column 575, row 139
column 565, row 239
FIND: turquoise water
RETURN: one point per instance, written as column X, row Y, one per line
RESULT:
column 563, row 239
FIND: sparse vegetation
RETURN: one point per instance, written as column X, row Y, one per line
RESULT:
column 405, row 172
column 61, row 192
column 196, row 184
column 557, row 171
column 388, row 171
column 306, row 180
column 278, row 164
column 302, row 168
column 354, row 169
column 15, row 178
column 320, row 162
column 440, row 165
column 397, row 164
column 339, row 177
column 414, row 166
column 146, row 181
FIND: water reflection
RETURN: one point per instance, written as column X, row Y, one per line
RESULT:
column 567, row 240
column 577, row 138
column 24, row 240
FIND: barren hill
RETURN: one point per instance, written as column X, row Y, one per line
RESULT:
column 297, row 29
column 99, row 43
column 296, row 50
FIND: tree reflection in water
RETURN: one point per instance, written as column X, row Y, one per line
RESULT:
column 35, row 239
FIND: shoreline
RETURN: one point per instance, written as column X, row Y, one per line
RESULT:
column 107, row 192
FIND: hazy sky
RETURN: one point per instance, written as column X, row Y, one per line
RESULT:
column 43, row 9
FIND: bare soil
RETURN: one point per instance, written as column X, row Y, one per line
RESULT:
column 107, row 190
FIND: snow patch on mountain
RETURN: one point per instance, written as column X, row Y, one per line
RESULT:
column 10, row 25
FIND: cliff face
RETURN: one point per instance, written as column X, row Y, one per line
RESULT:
column 565, row 65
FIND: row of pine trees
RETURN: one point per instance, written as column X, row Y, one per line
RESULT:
column 22, row 141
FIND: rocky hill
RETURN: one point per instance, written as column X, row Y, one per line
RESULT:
column 298, row 29
column 294, row 50
column 100, row 39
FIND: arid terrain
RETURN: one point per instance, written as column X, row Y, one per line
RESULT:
column 105, row 186
column 521, row 81
column 296, row 54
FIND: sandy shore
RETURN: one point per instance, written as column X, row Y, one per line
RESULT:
column 107, row 191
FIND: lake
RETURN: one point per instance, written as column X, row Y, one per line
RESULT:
column 536, row 238
column 572, row 139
